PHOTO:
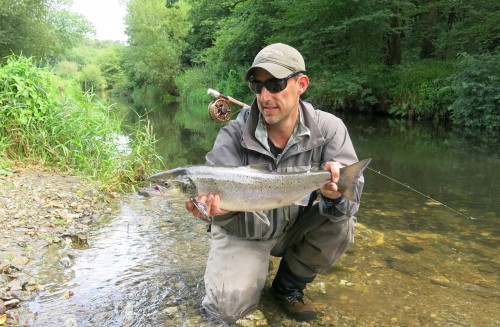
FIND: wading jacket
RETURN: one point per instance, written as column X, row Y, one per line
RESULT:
column 319, row 137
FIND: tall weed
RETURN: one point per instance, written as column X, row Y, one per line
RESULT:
column 26, row 94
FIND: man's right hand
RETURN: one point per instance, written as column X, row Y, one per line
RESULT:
column 211, row 201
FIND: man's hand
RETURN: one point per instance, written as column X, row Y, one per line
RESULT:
column 330, row 190
column 211, row 201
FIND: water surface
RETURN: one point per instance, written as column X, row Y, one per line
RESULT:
column 415, row 262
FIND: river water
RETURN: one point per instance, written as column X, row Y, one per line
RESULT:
column 416, row 262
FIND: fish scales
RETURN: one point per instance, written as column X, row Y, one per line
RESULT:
column 249, row 189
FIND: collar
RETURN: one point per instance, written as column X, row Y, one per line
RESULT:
column 308, row 119
column 299, row 132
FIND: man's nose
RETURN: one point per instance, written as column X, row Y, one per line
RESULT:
column 264, row 93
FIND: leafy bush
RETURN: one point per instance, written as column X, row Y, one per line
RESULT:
column 66, row 69
column 26, row 94
column 434, row 99
column 420, row 90
column 194, row 83
column 91, row 79
column 345, row 90
column 477, row 85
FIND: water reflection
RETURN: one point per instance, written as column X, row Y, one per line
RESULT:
column 414, row 263
column 184, row 132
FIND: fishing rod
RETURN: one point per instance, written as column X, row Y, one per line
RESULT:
column 420, row 193
column 219, row 111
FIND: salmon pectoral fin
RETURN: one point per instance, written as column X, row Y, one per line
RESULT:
column 263, row 217
column 304, row 201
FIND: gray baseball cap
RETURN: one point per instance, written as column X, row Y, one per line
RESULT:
column 279, row 59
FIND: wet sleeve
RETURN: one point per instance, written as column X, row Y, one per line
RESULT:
column 338, row 209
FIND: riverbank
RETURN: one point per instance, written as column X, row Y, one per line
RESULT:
column 38, row 208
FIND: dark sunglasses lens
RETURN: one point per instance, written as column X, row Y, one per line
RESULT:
column 256, row 87
column 273, row 86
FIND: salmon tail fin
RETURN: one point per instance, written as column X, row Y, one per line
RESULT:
column 349, row 177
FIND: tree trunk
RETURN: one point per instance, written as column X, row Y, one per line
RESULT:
column 394, row 45
column 428, row 48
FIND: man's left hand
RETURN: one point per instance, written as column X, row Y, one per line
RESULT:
column 330, row 190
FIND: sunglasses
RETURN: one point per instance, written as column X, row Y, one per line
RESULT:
column 273, row 85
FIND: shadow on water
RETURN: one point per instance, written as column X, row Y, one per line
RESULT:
column 414, row 263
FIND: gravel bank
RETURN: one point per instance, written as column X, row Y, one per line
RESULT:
column 39, row 207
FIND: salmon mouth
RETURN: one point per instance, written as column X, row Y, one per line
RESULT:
column 155, row 190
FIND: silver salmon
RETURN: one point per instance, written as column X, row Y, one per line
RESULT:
column 247, row 188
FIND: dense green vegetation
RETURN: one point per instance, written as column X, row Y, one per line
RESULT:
column 399, row 58
column 50, row 77
column 416, row 59
column 39, row 124
column 403, row 58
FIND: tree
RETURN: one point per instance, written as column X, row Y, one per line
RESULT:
column 444, row 28
column 18, row 22
column 39, row 27
column 91, row 79
column 67, row 30
column 109, row 61
column 205, row 17
column 156, row 42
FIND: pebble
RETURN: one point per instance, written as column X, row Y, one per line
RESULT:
column 11, row 303
column 3, row 308
column 15, row 285
column 171, row 310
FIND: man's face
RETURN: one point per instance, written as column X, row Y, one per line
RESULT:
column 282, row 107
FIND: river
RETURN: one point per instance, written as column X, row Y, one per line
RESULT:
column 426, row 251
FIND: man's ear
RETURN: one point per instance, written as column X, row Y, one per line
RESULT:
column 303, row 83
